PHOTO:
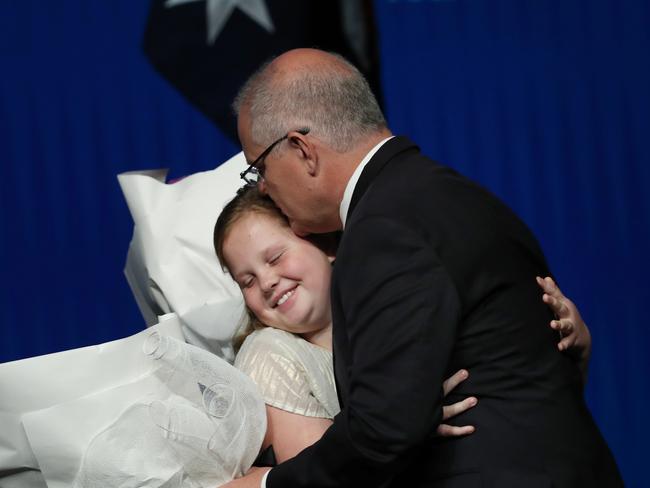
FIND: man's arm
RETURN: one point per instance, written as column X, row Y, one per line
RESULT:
column 401, row 311
column 290, row 433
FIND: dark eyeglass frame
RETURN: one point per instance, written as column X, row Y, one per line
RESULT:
column 253, row 175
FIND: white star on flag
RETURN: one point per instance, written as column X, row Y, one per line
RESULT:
column 218, row 12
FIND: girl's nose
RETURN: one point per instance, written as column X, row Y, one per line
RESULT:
column 268, row 282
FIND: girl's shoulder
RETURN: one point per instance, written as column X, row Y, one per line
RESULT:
column 270, row 334
column 270, row 338
column 268, row 343
column 291, row 373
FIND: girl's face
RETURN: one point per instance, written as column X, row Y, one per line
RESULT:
column 285, row 279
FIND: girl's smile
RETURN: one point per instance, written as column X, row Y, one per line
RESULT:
column 284, row 278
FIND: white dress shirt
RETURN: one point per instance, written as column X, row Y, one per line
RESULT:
column 352, row 183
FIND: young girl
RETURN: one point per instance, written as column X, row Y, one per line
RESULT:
column 285, row 281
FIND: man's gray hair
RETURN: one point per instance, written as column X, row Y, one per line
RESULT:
column 335, row 103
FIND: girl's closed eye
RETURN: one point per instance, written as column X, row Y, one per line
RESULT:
column 275, row 258
column 247, row 282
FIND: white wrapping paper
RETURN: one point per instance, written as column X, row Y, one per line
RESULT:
column 53, row 407
column 149, row 410
column 34, row 384
column 171, row 265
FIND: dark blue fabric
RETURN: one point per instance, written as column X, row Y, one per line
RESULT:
column 544, row 102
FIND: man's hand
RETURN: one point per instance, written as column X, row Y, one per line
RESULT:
column 252, row 479
column 574, row 334
column 445, row 430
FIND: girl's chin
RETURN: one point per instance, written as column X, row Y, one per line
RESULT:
column 295, row 325
column 300, row 327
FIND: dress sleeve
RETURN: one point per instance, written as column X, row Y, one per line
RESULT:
column 270, row 357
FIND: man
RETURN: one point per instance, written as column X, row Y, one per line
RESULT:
column 432, row 274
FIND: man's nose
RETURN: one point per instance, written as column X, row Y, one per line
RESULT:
column 261, row 186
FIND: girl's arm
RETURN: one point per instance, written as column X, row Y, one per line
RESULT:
column 289, row 433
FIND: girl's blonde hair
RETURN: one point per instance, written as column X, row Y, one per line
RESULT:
column 248, row 200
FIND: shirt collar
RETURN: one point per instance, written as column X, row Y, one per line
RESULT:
column 352, row 182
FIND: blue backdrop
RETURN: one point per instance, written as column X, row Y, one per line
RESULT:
column 545, row 102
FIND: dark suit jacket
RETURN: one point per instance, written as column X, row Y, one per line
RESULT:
column 433, row 273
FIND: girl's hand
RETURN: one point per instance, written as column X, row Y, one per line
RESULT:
column 445, row 430
column 575, row 338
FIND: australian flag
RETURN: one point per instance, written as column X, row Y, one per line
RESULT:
column 208, row 48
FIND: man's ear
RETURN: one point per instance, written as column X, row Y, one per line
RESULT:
column 308, row 152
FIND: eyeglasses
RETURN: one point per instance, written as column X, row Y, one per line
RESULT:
column 255, row 171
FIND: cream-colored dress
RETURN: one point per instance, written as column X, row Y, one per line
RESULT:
column 291, row 373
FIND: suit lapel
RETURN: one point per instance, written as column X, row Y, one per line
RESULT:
column 387, row 152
